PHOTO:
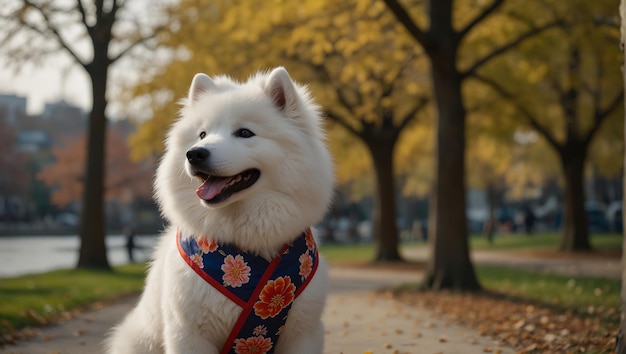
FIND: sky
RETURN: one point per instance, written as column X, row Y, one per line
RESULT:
column 46, row 84
column 53, row 81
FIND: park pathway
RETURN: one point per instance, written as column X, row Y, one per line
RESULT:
column 360, row 320
column 604, row 265
column 357, row 320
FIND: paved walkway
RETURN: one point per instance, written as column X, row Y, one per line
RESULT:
column 359, row 321
column 592, row 265
column 356, row 319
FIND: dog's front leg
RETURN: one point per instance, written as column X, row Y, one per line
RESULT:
column 305, row 343
column 182, row 335
column 182, row 340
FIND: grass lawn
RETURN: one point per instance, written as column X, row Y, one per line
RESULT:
column 583, row 294
column 342, row 254
column 339, row 254
column 38, row 298
column 543, row 241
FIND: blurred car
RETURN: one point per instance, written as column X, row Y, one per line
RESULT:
column 67, row 220
column 596, row 219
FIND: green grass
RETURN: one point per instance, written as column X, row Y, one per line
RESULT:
column 342, row 254
column 544, row 241
column 36, row 299
column 572, row 292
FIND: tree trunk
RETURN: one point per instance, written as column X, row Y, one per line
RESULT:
column 620, row 347
column 385, row 229
column 449, row 265
column 93, row 252
column 575, row 232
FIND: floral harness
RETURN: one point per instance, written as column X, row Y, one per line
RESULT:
column 264, row 290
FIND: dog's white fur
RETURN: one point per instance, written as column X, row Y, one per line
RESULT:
column 178, row 311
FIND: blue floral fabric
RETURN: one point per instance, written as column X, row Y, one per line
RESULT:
column 265, row 290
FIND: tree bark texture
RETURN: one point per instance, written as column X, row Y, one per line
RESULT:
column 575, row 231
column 385, row 229
column 449, row 265
column 93, row 251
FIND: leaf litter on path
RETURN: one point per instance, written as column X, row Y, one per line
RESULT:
column 527, row 327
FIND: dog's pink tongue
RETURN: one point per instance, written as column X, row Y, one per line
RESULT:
column 211, row 187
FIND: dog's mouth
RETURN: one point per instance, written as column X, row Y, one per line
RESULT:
column 216, row 189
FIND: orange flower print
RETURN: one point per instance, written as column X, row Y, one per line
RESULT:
column 253, row 345
column 310, row 241
column 275, row 296
column 306, row 264
column 206, row 246
column 236, row 271
column 260, row 330
column 197, row 259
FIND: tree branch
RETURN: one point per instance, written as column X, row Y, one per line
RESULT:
column 615, row 103
column 600, row 116
column 403, row 17
column 53, row 30
column 83, row 15
column 421, row 104
column 133, row 45
column 528, row 116
column 478, row 19
column 321, row 69
column 503, row 49
column 387, row 87
column 117, row 5
column 339, row 120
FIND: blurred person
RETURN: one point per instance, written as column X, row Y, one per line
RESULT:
column 129, row 233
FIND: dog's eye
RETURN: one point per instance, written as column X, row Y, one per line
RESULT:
column 202, row 135
column 244, row 133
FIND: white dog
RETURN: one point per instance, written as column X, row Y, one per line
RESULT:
column 245, row 173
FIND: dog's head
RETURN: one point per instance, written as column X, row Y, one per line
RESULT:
column 246, row 150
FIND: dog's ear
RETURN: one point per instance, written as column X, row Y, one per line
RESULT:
column 281, row 89
column 201, row 83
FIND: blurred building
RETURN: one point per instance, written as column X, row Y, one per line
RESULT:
column 13, row 106
column 32, row 141
column 33, row 138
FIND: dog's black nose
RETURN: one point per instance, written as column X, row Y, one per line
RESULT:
column 197, row 155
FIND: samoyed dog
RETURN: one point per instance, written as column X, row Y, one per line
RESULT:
column 245, row 173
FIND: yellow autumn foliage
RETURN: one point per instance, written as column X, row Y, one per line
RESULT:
column 361, row 66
